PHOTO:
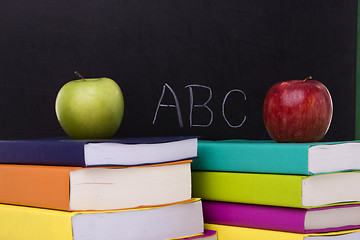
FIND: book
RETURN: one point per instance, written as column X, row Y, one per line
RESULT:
column 235, row 233
column 280, row 158
column 166, row 222
column 315, row 220
column 278, row 189
column 95, row 188
column 84, row 153
column 207, row 235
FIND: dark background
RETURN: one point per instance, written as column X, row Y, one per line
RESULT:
column 247, row 45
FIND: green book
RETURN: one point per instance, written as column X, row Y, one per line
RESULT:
column 278, row 189
column 279, row 158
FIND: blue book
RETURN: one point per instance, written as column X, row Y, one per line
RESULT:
column 86, row 153
column 279, row 158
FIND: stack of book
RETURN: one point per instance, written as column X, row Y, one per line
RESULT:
column 119, row 189
column 283, row 191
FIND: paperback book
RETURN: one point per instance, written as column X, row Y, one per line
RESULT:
column 278, row 189
column 166, row 222
column 95, row 188
column 256, row 156
column 235, row 233
column 297, row 220
column 85, row 153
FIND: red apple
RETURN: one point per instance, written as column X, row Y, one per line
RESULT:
column 298, row 111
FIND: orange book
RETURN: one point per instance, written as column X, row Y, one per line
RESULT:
column 95, row 188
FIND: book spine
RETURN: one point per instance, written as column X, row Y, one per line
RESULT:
column 255, row 216
column 252, row 188
column 19, row 222
column 236, row 233
column 43, row 152
column 252, row 157
column 34, row 185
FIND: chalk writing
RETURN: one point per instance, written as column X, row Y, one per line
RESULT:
column 223, row 108
column 176, row 105
column 193, row 105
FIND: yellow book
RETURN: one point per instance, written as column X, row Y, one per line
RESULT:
column 235, row 233
column 153, row 223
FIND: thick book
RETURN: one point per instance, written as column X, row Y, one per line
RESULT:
column 315, row 220
column 84, row 153
column 235, row 233
column 95, row 188
column 278, row 189
column 165, row 222
column 281, row 158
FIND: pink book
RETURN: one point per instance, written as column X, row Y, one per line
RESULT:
column 315, row 220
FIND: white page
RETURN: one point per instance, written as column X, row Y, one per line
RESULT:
column 172, row 221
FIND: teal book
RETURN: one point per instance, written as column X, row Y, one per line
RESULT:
column 266, row 156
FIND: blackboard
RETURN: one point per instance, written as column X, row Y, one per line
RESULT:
column 213, row 60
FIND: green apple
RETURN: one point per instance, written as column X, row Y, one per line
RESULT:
column 90, row 108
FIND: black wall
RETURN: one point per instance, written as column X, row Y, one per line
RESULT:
column 235, row 49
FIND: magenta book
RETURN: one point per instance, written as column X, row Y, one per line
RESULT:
column 316, row 220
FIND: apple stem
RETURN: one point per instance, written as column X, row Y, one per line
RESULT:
column 79, row 75
column 309, row 77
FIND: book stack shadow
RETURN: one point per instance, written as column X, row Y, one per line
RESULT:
column 262, row 190
column 118, row 189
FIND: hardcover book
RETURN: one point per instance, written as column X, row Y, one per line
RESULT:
column 95, row 188
column 166, row 222
column 235, row 233
column 84, row 153
column 278, row 189
column 279, row 158
column 315, row 220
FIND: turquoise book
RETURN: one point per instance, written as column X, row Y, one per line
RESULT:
column 267, row 156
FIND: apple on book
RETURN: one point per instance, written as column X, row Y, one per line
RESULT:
column 90, row 108
column 298, row 111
